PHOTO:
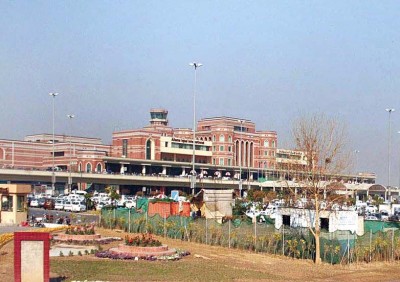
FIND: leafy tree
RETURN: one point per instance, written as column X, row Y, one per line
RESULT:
column 89, row 202
column 112, row 193
column 239, row 208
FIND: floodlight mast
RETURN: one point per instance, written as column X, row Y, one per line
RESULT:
column 53, row 175
column 193, row 172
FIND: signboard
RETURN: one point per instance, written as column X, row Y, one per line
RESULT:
column 175, row 195
column 31, row 256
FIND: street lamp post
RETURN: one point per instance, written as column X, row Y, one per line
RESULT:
column 356, row 166
column 389, row 110
column 53, row 175
column 399, row 163
column 240, row 158
column 193, row 172
column 70, row 117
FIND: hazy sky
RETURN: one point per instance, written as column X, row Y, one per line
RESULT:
column 267, row 61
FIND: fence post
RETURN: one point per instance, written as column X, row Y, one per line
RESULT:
column 370, row 244
column 110, row 218
column 129, row 221
column 283, row 239
column 229, row 234
column 348, row 247
column 392, row 244
column 187, row 232
column 114, row 221
column 206, row 231
column 165, row 230
column 145, row 227
column 255, row 234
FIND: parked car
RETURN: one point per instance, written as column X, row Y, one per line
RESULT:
column 34, row 203
column 59, row 205
column 120, row 203
column 130, row 204
column 99, row 206
column 41, row 202
column 394, row 218
column 68, row 206
column 78, row 206
column 48, row 204
column 371, row 209
column 384, row 215
column 371, row 217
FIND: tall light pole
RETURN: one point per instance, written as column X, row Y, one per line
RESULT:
column 399, row 163
column 356, row 166
column 389, row 110
column 53, row 175
column 193, row 174
column 240, row 158
column 70, row 117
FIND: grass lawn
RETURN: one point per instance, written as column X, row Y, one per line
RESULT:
column 189, row 270
column 205, row 263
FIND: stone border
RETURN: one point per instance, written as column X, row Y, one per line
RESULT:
column 73, row 237
column 137, row 251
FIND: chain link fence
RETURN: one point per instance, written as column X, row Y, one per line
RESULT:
column 379, row 243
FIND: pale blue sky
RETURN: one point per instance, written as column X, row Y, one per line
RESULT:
column 267, row 61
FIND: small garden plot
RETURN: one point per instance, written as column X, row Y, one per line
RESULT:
column 78, row 240
column 82, row 235
column 144, row 247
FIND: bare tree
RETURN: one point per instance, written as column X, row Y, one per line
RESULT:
column 323, row 140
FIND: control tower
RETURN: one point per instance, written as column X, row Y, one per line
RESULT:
column 159, row 117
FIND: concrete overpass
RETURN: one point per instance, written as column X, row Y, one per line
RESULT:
column 31, row 176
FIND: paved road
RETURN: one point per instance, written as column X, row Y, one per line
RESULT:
column 39, row 212
column 75, row 217
column 12, row 229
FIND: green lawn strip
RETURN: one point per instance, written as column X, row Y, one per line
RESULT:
column 113, row 270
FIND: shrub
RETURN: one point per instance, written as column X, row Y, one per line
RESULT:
column 80, row 230
column 143, row 240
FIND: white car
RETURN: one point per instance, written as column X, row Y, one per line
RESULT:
column 371, row 217
column 130, row 204
column 68, row 206
column 78, row 206
column 34, row 203
column 99, row 206
column 384, row 215
column 59, row 205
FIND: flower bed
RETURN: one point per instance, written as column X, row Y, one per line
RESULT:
column 102, row 241
column 82, row 235
column 80, row 230
column 143, row 240
column 178, row 254
column 143, row 246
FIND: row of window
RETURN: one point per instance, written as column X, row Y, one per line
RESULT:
column 221, row 161
column 222, row 148
column 267, row 143
column 88, row 167
column 270, row 153
column 187, row 146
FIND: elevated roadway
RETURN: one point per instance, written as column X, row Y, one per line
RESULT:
column 30, row 176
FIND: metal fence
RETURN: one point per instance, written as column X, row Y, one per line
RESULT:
column 377, row 244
